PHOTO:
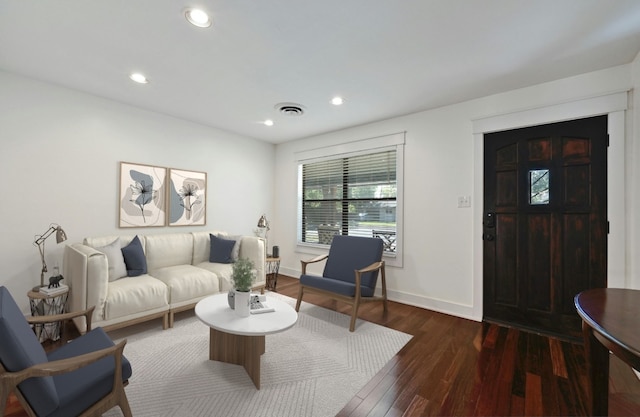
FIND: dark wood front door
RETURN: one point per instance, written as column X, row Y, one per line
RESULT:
column 545, row 223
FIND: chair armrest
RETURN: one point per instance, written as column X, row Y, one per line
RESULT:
column 12, row 379
column 310, row 261
column 88, row 313
column 374, row 266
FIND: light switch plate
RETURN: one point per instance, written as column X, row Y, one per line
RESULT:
column 464, row 201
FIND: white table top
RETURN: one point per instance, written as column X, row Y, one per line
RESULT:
column 214, row 311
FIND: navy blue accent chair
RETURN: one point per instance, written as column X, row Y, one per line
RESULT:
column 85, row 377
column 350, row 273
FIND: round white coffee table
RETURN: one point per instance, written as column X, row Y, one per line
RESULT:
column 241, row 340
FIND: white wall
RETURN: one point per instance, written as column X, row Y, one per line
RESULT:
column 440, row 240
column 60, row 150
column 59, row 157
column 632, row 161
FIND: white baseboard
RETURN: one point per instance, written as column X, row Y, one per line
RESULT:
column 441, row 306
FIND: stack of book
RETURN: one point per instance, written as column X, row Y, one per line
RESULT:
column 259, row 307
column 61, row 288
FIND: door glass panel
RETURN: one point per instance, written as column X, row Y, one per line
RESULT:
column 539, row 186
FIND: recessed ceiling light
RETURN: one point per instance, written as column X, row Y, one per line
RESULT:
column 336, row 101
column 268, row 122
column 198, row 18
column 139, row 78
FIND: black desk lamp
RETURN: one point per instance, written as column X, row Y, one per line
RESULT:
column 61, row 236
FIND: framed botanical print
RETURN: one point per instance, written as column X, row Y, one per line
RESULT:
column 142, row 195
column 187, row 198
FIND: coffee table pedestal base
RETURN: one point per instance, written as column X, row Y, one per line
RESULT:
column 238, row 350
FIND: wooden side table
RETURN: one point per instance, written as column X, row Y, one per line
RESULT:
column 273, row 266
column 609, row 324
column 47, row 305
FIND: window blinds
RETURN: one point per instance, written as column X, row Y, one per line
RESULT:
column 353, row 195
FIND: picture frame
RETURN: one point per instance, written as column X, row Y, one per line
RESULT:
column 142, row 197
column 187, row 198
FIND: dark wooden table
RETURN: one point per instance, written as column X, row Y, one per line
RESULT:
column 610, row 322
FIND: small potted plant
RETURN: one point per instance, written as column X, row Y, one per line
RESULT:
column 242, row 278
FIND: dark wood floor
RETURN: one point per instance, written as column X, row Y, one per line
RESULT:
column 449, row 369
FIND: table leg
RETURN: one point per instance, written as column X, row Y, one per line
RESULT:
column 238, row 350
column 598, row 369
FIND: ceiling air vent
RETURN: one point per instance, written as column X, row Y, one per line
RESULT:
column 290, row 109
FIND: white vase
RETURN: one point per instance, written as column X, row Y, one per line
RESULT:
column 241, row 302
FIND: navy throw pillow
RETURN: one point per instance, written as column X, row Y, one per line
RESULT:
column 221, row 250
column 134, row 258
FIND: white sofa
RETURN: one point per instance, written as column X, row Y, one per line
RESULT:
column 179, row 275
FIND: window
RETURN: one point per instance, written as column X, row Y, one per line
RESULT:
column 539, row 186
column 353, row 193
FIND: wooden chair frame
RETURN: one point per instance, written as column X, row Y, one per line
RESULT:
column 117, row 397
column 354, row 301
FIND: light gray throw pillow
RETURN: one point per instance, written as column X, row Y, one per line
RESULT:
column 117, row 267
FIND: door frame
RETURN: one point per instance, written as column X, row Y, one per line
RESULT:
column 614, row 105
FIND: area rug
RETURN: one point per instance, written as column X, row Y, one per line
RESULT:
column 312, row 369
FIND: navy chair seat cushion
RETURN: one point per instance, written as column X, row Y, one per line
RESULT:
column 335, row 286
column 80, row 389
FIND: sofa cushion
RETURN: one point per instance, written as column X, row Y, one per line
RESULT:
column 97, row 378
column 115, row 259
column 222, row 271
column 169, row 250
column 221, row 250
column 20, row 349
column 133, row 295
column 134, row 258
column 96, row 242
column 202, row 245
column 187, row 282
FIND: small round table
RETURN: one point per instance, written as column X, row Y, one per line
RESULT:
column 273, row 267
column 241, row 340
column 46, row 305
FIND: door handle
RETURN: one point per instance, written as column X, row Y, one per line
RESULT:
column 488, row 237
column 489, row 220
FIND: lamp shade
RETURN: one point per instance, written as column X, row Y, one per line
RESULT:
column 262, row 222
column 61, row 236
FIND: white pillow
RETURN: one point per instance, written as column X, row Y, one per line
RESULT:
column 115, row 259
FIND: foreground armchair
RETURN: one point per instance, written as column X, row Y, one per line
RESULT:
column 85, row 377
column 350, row 273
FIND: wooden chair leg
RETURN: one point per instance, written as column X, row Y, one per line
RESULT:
column 354, row 316
column 3, row 401
column 124, row 406
column 299, row 298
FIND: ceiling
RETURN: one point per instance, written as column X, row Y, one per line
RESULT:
column 385, row 57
